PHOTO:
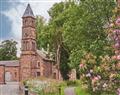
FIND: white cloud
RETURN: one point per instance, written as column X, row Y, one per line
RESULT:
column 14, row 14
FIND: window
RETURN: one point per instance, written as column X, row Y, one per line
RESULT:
column 54, row 75
column 38, row 74
column 15, row 74
column 27, row 45
column 33, row 46
column 38, row 64
column 32, row 22
column 24, row 22
column 24, row 45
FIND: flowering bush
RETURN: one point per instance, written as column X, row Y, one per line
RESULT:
column 118, row 91
column 44, row 86
column 37, row 86
column 100, row 74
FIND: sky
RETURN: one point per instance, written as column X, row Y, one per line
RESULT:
column 11, row 12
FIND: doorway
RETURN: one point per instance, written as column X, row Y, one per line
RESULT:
column 8, row 77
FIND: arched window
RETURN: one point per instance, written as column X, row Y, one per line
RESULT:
column 27, row 45
column 38, row 64
column 24, row 45
column 24, row 22
column 25, row 35
column 33, row 46
column 32, row 22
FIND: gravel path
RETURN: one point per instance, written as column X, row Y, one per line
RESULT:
column 11, row 88
column 69, row 91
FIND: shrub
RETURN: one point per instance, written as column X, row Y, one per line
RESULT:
column 99, row 78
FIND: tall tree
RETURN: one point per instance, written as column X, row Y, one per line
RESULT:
column 85, row 29
column 78, row 27
column 8, row 50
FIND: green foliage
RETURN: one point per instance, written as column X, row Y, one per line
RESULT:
column 51, row 35
column 99, row 78
column 42, row 33
column 73, row 83
column 84, row 29
column 46, row 86
column 81, row 91
column 8, row 50
column 78, row 28
column 64, row 66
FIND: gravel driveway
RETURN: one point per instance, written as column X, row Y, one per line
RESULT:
column 11, row 88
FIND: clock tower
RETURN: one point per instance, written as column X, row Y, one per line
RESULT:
column 28, row 48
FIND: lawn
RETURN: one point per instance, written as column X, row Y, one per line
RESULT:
column 80, row 91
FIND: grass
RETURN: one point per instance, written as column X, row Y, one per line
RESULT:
column 57, row 88
column 62, row 90
column 81, row 91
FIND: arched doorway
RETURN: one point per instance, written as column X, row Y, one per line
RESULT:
column 8, row 76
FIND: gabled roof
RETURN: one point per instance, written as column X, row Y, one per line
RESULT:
column 28, row 12
column 43, row 55
column 10, row 63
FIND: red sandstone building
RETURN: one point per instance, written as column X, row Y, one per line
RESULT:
column 33, row 62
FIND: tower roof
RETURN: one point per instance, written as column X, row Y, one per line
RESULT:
column 28, row 12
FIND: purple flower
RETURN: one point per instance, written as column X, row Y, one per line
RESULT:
column 91, row 71
column 118, row 57
column 104, row 85
column 116, row 31
column 88, row 75
column 117, row 45
column 99, row 76
column 118, row 91
column 117, row 22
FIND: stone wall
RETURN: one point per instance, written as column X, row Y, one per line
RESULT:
column 44, row 66
column 2, row 72
column 47, row 65
column 14, row 72
column 26, row 67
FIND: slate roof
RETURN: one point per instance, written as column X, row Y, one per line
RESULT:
column 41, row 53
column 10, row 63
column 44, row 55
column 28, row 12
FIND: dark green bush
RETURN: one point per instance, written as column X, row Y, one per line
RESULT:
column 72, row 83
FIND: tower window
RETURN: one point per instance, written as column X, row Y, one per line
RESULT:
column 27, row 45
column 32, row 22
column 33, row 46
column 24, row 45
column 24, row 22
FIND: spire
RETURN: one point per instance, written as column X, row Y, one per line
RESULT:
column 28, row 12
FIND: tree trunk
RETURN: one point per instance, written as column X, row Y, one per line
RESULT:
column 58, row 54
